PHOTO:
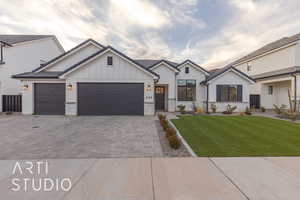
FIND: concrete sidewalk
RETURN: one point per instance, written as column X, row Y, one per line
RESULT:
column 163, row 179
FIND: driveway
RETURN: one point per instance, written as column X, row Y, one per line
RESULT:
column 45, row 137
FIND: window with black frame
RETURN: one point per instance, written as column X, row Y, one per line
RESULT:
column 229, row 93
column 186, row 90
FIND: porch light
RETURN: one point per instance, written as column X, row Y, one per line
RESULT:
column 148, row 88
column 70, row 87
column 25, row 87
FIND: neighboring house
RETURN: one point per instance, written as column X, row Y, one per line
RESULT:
column 276, row 69
column 21, row 53
column 92, row 79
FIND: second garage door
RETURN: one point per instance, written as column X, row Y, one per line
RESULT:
column 110, row 99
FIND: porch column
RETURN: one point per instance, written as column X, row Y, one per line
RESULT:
column 295, row 89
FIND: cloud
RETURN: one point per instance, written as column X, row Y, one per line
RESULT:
column 254, row 24
column 140, row 13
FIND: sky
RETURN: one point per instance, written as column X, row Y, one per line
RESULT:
column 212, row 33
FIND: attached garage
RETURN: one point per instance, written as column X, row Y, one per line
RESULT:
column 49, row 98
column 110, row 98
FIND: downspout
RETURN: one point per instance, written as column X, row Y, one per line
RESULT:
column 207, row 94
column 295, row 92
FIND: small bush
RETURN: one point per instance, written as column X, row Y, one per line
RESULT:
column 263, row 109
column 174, row 142
column 181, row 109
column 170, row 132
column 164, row 124
column 229, row 110
column 162, row 117
column 213, row 108
column 242, row 114
column 248, row 111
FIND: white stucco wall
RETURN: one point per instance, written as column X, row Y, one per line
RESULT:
column 194, row 74
column 279, row 96
column 229, row 78
column 74, row 58
column 23, row 58
column 122, row 71
column 168, row 77
column 277, row 60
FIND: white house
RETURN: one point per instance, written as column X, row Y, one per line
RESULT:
column 276, row 69
column 21, row 53
column 92, row 79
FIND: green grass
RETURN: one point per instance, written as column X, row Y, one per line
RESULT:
column 224, row 136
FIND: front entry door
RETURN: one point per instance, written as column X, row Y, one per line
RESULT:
column 159, row 98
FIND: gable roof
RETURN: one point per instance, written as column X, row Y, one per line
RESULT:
column 269, row 47
column 225, row 69
column 166, row 62
column 66, row 53
column 191, row 62
column 14, row 39
column 148, row 63
column 73, row 67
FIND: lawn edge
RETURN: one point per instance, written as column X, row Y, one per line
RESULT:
column 187, row 146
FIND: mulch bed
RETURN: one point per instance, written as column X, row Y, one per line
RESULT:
column 167, row 150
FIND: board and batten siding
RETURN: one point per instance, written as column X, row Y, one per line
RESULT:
column 229, row 78
column 74, row 58
column 98, row 71
column 167, row 77
column 194, row 74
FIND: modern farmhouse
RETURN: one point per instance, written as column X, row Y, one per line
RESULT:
column 92, row 79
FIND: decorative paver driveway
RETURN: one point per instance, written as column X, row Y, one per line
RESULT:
column 45, row 137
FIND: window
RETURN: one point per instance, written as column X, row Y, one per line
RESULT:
column 249, row 66
column 186, row 90
column 109, row 60
column 229, row 93
column 187, row 70
column 270, row 90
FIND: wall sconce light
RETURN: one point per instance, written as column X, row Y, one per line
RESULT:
column 148, row 88
column 70, row 87
column 25, row 87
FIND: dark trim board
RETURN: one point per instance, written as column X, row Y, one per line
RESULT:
column 49, row 98
column 110, row 98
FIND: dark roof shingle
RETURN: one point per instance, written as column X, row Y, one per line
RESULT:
column 13, row 39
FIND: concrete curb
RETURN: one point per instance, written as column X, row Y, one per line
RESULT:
column 187, row 146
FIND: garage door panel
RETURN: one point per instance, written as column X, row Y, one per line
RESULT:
column 49, row 98
column 110, row 99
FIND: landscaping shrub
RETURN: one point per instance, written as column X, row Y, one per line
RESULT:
column 162, row 117
column 248, row 111
column 291, row 116
column 213, row 108
column 164, row 123
column 229, row 109
column 263, row 109
column 170, row 132
column 174, row 142
column 181, row 109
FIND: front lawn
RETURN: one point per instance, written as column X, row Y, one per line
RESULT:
column 240, row 135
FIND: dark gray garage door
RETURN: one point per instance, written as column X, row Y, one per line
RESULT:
column 49, row 98
column 110, row 99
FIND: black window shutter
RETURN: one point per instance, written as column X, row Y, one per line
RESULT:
column 219, row 90
column 240, row 93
